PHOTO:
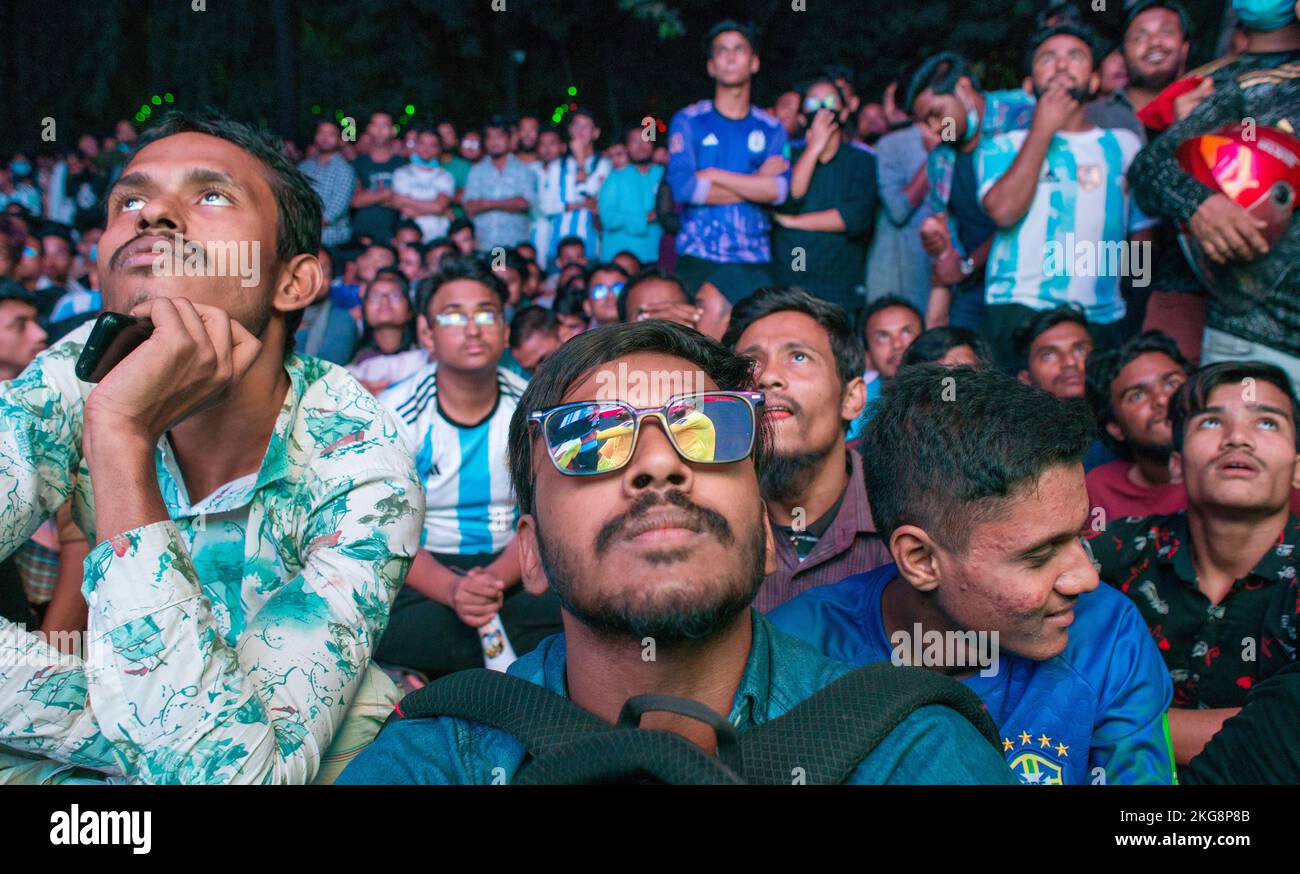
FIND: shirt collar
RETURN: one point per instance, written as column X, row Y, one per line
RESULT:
column 1276, row 564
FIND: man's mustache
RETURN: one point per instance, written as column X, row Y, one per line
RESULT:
column 703, row 518
column 174, row 242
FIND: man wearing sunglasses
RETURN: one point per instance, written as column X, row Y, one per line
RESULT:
column 820, row 233
column 605, row 283
column 634, row 455
column 453, row 415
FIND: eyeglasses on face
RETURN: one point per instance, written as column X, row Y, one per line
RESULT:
column 604, row 290
column 460, row 320
column 594, row 437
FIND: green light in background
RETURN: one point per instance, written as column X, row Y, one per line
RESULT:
column 573, row 91
column 156, row 100
column 410, row 109
column 315, row 109
column 169, row 98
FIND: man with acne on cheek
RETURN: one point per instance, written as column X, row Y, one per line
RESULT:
column 251, row 511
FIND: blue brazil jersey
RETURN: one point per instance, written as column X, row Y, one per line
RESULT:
column 1093, row 714
column 701, row 137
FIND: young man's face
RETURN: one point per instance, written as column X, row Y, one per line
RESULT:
column 514, row 281
column 960, row 356
column 582, row 130
column 447, row 133
column 662, row 547
column 408, row 261
column 889, row 332
column 327, row 137
column 209, row 191
column 786, row 111
column 428, row 146
column 1023, row 570
column 385, row 306
column 527, row 132
column 1139, row 402
column 534, row 351
column 406, row 237
column 603, row 290
column 945, row 114
column 21, row 337
column 471, row 147
column 639, row 149
column 1066, row 59
column 464, row 240
column 617, row 155
column 1239, row 453
column 549, row 145
column 1057, row 358
column 473, row 345
column 732, row 62
column 570, row 326
column 653, row 291
column 373, row 260
column 56, row 257
column 380, row 129
column 573, row 253
column 795, row 369
column 497, row 141
column 1155, row 49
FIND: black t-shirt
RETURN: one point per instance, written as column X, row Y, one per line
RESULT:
column 974, row 226
column 377, row 222
column 1261, row 744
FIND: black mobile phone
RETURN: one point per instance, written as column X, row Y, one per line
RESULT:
column 114, row 337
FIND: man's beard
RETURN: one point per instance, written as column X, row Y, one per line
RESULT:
column 641, row 162
column 667, row 621
column 1079, row 93
column 786, row 476
column 1155, row 82
column 1150, row 451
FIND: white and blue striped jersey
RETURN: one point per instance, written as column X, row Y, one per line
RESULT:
column 469, row 505
column 1070, row 247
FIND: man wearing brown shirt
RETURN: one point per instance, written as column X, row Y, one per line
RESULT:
column 809, row 365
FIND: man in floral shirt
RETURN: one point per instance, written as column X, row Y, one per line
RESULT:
column 253, row 511
column 1217, row 584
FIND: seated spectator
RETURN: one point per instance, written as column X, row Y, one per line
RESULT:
column 1053, row 347
column 1129, row 390
column 21, row 335
column 462, row 233
column 410, row 263
column 889, row 324
column 654, row 294
column 326, row 332
column 1216, row 584
column 372, row 259
column 255, row 572
column 660, row 545
column 808, row 364
column 513, row 272
column 950, row 346
column 435, row 251
column 453, row 415
column 629, row 262
column 571, row 312
column 981, row 497
column 57, row 259
column 534, row 336
column 389, row 352
column 569, row 251
column 605, row 283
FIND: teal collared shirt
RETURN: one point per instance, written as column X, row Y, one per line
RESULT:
column 934, row 745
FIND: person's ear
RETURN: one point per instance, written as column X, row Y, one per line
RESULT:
column 914, row 553
column 1023, row 376
column 1295, row 473
column 586, row 308
column 1028, row 85
column 769, row 543
column 297, row 283
column 854, row 400
column 1176, row 467
column 531, row 571
column 1094, row 83
column 711, row 68
column 753, row 64
column 425, row 332
column 1115, row 432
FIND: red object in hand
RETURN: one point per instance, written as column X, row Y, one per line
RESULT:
column 1159, row 113
column 1255, row 166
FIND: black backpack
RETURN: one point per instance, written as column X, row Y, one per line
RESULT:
column 819, row 741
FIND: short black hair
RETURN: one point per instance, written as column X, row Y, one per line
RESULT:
column 500, row 122
column 56, row 229
column 948, row 445
column 578, row 357
column 1194, row 394
column 408, row 225
column 608, row 267
column 1040, row 323
column 939, row 74
column 650, row 274
column 1104, row 366
column 885, row 302
column 1184, row 20
column 391, row 250
column 461, row 267
column 929, row 346
column 11, row 289
column 570, row 241
column 747, row 29
column 846, row 346
column 297, row 205
column 459, row 225
column 397, row 277
column 529, row 321
column 569, row 301
column 1079, row 31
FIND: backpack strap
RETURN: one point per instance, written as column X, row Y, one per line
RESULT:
column 536, row 717
column 828, row 734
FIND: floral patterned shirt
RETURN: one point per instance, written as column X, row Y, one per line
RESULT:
column 226, row 644
column 1215, row 652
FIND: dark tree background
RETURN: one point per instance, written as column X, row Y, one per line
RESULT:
column 285, row 63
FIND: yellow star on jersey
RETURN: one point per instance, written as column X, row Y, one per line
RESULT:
column 1007, row 745
column 1044, row 741
column 1024, row 738
column 1061, row 750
